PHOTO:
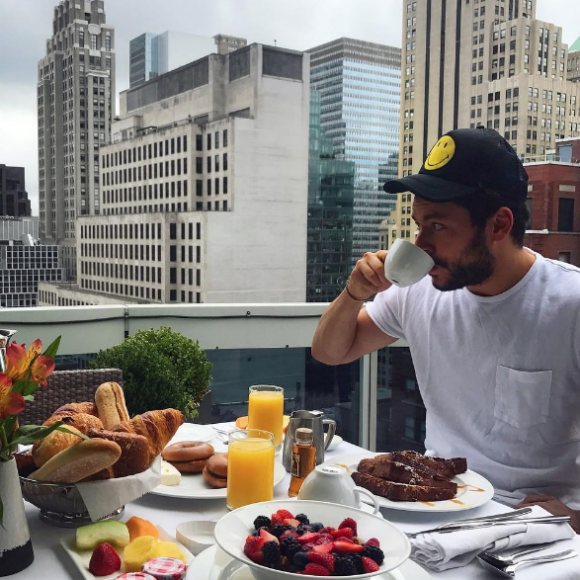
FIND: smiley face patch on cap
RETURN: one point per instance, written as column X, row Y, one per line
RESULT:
column 441, row 154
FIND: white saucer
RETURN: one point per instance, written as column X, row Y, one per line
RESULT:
column 215, row 564
column 365, row 507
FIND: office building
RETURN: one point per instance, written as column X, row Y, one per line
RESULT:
column 15, row 228
column 205, row 185
column 481, row 63
column 13, row 196
column 330, row 214
column 76, row 99
column 359, row 84
column 573, row 67
column 152, row 55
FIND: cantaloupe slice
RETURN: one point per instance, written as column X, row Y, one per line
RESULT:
column 139, row 527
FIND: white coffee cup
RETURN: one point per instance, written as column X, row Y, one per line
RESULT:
column 332, row 483
column 406, row 263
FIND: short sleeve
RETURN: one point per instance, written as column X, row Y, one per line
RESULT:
column 386, row 311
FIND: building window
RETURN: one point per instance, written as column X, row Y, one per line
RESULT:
column 93, row 42
column 225, row 138
column 565, row 214
column 198, row 143
column 209, row 141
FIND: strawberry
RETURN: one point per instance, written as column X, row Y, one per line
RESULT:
column 285, row 514
column 104, row 560
column 326, row 560
column 349, row 523
column 343, row 532
column 308, row 547
column 373, row 542
column 345, row 539
column 343, row 547
column 327, row 530
column 369, row 565
column 288, row 534
column 276, row 519
column 291, row 522
column 308, row 537
column 324, row 539
column 268, row 537
column 253, row 545
column 315, row 570
column 323, row 548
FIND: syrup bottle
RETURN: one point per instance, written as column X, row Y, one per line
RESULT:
column 303, row 459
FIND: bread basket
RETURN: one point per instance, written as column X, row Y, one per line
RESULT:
column 60, row 504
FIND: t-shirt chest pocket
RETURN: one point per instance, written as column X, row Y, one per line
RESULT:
column 522, row 398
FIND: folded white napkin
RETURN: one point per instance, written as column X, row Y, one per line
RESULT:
column 443, row 551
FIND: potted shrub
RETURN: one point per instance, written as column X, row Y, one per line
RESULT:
column 161, row 369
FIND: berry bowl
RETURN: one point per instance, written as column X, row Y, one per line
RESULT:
column 320, row 539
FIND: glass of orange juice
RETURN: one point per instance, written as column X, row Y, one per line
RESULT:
column 250, row 467
column 266, row 409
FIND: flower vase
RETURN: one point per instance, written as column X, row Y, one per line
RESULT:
column 16, row 552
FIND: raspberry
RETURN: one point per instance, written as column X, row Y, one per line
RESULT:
column 315, row 570
column 373, row 553
column 349, row 523
column 326, row 560
column 262, row 522
column 373, row 542
column 271, row 552
column 370, row 565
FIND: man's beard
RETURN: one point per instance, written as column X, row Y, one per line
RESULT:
column 475, row 266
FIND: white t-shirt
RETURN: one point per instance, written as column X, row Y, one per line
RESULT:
column 499, row 375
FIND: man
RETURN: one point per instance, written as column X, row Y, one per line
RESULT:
column 494, row 330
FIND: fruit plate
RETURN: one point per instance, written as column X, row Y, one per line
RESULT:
column 215, row 564
column 81, row 559
column 194, row 486
column 473, row 490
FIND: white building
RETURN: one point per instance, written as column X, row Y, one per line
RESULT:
column 205, row 187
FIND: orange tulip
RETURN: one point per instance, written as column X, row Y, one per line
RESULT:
column 10, row 403
column 42, row 369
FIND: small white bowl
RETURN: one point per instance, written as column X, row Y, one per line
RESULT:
column 232, row 530
column 196, row 536
column 335, row 442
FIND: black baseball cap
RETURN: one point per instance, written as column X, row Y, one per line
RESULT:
column 462, row 163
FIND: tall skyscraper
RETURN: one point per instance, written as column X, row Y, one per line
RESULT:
column 13, row 197
column 152, row 55
column 359, row 84
column 482, row 63
column 76, row 96
column 205, row 186
column 330, row 214
column 573, row 68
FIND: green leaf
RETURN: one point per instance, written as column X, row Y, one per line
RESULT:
column 53, row 348
column 30, row 433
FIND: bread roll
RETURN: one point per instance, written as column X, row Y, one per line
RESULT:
column 134, row 451
column 76, row 408
column 52, row 444
column 79, row 461
column 81, row 421
column 110, row 401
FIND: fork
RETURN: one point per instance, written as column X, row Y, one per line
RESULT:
column 507, row 568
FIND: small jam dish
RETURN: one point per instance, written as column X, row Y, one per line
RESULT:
column 196, row 536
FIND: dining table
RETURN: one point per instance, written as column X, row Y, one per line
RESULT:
column 52, row 562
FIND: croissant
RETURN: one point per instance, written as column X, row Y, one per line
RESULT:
column 157, row 426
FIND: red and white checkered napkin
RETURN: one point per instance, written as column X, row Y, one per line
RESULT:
column 135, row 576
column 165, row 568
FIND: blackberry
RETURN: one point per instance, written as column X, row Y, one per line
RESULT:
column 356, row 559
column 271, row 552
column 302, row 519
column 303, row 529
column 289, row 547
column 373, row 553
column 300, row 560
column 262, row 522
column 344, row 567
column 278, row 529
column 316, row 527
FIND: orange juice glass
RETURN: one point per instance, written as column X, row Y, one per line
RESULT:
column 250, row 467
column 266, row 409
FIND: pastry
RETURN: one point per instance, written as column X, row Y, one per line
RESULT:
column 215, row 471
column 110, row 401
column 134, row 451
column 188, row 456
column 54, row 443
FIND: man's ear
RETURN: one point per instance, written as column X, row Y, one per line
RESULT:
column 502, row 224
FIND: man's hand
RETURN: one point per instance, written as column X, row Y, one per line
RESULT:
column 368, row 277
column 554, row 506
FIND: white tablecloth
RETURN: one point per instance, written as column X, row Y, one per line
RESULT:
column 51, row 562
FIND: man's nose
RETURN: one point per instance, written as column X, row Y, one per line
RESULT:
column 422, row 241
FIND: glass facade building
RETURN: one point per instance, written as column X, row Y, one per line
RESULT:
column 359, row 85
column 143, row 59
column 330, row 213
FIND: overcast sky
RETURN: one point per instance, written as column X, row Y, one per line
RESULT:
column 297, row 24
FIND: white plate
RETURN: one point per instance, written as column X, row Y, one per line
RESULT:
column 215, row 564
column 365, row 507
column 192, row 432
column 81, row 559
column 194, row 486
column 474, row 490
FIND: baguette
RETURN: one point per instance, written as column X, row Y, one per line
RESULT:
column 134, row 452
column 79, row 461
column 52, row 444
column 110, row 402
